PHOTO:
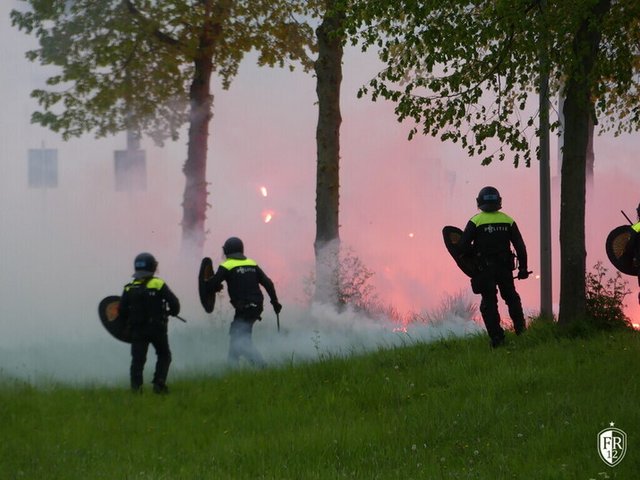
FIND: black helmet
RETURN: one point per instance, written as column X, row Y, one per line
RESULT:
column 144, row 265
column 638, row 211
column 489, row 199
column 233, row 245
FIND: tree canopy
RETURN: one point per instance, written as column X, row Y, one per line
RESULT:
column 125, row 63
column 147, row 67
column 465, row 71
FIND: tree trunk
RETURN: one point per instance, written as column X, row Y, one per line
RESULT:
column 591, row 156
column 578, row 108
column 328, row 69
column 194, row 206
column 572, row 208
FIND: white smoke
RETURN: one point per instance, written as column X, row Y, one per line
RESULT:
column 201, row 345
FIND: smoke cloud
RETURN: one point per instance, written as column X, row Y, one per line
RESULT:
column 65, row 248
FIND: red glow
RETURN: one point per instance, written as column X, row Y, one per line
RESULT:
column 436, row 186
column 632, row 312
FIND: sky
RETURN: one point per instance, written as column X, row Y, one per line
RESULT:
column 64, row 249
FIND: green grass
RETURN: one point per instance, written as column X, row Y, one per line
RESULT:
column 450, row 409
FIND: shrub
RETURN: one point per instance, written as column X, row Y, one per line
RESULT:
column 605, row 298
column 354, row 286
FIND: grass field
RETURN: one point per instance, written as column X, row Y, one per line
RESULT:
column 448, row 409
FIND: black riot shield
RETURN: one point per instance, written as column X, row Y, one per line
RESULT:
column 618, row 251
column 207, row 298
column 466, row 262
column 108, row 310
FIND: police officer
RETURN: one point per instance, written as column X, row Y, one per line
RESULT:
column 489, row 236
column 145, row 305
column 244, row 278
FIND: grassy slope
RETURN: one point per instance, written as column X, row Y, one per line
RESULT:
column 452, row 409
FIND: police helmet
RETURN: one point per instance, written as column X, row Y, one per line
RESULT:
column 233, row 245
column 144, row 265
column 489, row 199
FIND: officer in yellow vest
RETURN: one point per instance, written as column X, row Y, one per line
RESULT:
column 145, row 305
column 489, row 236
column 244, row 278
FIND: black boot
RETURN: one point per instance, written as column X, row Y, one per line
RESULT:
column 497, row 342
column 160, row 388
column 136, row 388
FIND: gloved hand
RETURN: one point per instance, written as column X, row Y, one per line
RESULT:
column 276, row 307
column 209, row 281
column 523, row 274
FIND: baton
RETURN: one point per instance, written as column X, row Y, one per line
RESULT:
column 180, row 318
column 278, row 321
column 625, row 216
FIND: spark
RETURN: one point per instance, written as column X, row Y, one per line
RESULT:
column 263, row 190
column 411, row 235
column 267, row 216
column 537, row 277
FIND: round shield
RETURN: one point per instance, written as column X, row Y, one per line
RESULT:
column 619, row 250
column 207, row 296
column 466, row 262
column 108, row 310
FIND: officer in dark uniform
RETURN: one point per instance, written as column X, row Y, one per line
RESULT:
column 146, row 304
column 489, row 236
column 244, row 278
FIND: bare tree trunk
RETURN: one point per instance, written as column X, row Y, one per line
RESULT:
column 572, row 208
column 328, row 68
column 194, row 206
column 578, row 108
column 591, row 157
column 195, row 168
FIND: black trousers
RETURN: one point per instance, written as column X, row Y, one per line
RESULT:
column 487, row 283
column 157, row 336
column 240, row 342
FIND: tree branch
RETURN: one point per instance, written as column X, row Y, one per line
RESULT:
column 159, row 34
